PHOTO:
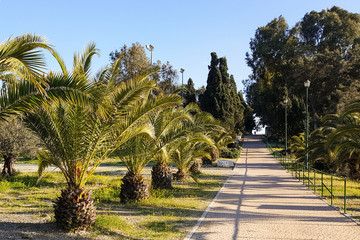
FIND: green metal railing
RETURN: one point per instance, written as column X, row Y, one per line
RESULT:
column 332, row 188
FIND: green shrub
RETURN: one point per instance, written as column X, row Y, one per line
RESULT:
column 230, row 153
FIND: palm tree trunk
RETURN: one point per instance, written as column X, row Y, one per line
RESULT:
column 195, row 167
column 180, row 176
column 75, row 209
column 8, row 169
column 161, row 176
column 214, row 155
column 133, row 188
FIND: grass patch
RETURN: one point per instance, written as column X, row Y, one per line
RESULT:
column 167, row 214
column 26, row 160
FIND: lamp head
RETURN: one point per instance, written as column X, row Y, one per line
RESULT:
column 149, row 47
column 182, row 70
column 307, row 83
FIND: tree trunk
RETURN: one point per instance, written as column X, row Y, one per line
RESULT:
column 75, row 209
column 214, row 155
column 195, row 167
column 133, row 188
column 180, row 176
column 8, row 169
column 161, row 176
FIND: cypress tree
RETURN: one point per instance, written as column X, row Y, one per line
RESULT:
column 209, row 99
column 190, row 95
column 248, row 119
column 221, row 98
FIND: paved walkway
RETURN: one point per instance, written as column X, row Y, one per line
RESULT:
column 262, row 201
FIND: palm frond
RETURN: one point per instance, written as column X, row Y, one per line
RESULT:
column 82, row 61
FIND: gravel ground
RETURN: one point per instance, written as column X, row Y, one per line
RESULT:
column 263, row 201
column 28, row 225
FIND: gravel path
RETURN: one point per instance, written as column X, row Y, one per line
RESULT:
column 262, row 201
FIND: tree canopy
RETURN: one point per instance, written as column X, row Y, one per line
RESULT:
column 221, row 98
column 323, row 47
column 135, row 62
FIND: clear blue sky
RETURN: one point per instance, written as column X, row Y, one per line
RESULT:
column 183, row 32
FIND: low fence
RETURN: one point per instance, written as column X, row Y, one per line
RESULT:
column 340, row 192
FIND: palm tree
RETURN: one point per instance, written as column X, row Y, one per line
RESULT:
column 78, row 137
column 168, row 125
column 321, row 154
column 135, row 156
column 23, row 81
column 297, row 147
column 21, row 58
column 221, row 141
column 346, row 137
column 138, row 152
column 187, row 151
column 197, row 143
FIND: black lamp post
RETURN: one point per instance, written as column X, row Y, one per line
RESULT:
column 307, row 85
column 286, row 146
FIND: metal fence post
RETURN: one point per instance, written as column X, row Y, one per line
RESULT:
column 296, row 171
column 315, row 180
column 331, row 190
column 304, row 174
column 322, row 184
column 345, row 195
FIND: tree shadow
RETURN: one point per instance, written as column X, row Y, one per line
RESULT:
column 48, row 231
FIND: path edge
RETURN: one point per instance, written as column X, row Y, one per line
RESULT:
column 201, row 219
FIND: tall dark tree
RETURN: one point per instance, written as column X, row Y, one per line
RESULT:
column 190, row 94
column 266, row 86
column 323, row 48
column 249, row 121
column 209, row 100
column 220, row 97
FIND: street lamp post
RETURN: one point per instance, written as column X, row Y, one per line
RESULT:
column 286, row 101
column 182, row 75
column 307, row 85
column 150, row 48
